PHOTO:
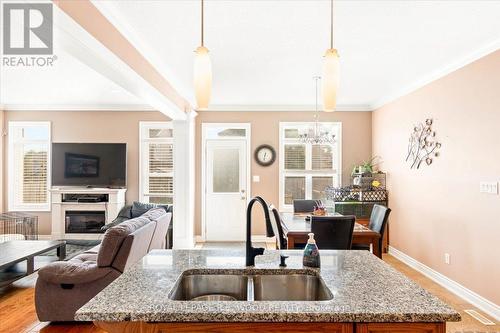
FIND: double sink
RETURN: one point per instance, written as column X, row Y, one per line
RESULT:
column 255, row 286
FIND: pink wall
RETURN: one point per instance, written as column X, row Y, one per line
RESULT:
column 356, row 147
column 438, row 209
column 89, row 126
column 101, row 126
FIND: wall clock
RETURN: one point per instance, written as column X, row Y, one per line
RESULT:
column 265, row 155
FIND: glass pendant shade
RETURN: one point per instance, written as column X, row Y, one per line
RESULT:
column 202, row 77
column 330, row 80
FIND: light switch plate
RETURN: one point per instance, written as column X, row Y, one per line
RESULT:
column 256, row 179
column 488, row 187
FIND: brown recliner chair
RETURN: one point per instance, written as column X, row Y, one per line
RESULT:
column 65, row 286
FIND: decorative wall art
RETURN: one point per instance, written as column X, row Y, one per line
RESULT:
column 422, row 145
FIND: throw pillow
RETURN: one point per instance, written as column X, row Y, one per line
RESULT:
column 139, row 208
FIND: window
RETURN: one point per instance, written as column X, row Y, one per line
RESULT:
column 307, row 169
column 29, row 166
column 156, row 162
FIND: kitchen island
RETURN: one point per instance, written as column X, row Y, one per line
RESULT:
column 364, row 295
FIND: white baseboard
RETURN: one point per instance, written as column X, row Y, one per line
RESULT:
column 255, row 239
column 468, row 295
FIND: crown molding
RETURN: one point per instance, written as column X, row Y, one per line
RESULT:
column 278, row 108
column 76, row 107
column 146, row 107
column 437, row 74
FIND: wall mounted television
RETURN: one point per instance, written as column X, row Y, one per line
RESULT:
column 89, row 164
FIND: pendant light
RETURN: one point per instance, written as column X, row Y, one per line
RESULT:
column 202, row 71
column 330, row 79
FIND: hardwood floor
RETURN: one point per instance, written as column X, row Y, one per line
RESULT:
column 17, row 309
column 468, row 323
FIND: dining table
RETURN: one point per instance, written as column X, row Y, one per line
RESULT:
column 297, row 226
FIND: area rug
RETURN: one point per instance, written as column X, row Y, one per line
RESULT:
column 75, row 246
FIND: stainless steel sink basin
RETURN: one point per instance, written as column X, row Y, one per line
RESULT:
column 251, row 287
column 290, row 287
column 190, row 286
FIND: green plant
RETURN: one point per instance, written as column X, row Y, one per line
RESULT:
column 367, row 166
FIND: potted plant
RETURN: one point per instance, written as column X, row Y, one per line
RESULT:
column 368, row 166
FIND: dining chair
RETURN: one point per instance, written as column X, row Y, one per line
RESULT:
column 276, row 223
column 378, row 221
column 333, row 232
column 304, row 206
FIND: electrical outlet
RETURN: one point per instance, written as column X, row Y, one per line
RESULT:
column 447, row 258
column 488, row 187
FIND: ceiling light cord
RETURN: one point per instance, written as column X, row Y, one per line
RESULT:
column 330, row 77
column 331, row 24
column 202, row 69
column 316, row 78
column 202, row 23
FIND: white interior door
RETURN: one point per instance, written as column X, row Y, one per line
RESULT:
column 226, row 190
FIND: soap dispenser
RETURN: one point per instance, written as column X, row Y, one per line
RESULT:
column 311, row 253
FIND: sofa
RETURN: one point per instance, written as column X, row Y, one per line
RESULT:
column 63, row 287
column 137, row 209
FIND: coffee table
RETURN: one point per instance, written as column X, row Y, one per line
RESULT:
column 15, row 252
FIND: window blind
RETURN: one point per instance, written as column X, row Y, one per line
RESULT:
column 29, row 166
column 295, row 157
column 157, row 162
column 34, row 185
column 322, row 157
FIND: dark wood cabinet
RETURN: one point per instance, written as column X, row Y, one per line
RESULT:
column 142, row 327
column 400, row 328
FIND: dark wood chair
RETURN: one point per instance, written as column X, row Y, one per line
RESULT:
column 333, row 232
column 304, row 206
column 378, row 221
column 276, row 223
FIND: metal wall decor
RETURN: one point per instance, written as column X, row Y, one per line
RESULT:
column 422, row 145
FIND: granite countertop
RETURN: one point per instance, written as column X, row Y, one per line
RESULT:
column 364, row 288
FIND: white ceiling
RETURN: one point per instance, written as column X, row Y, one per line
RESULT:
column 68, row 84
column 265, row 52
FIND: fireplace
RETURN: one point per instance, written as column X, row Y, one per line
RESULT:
column 85, row 221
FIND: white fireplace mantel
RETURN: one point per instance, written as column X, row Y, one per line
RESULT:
column 116, row 200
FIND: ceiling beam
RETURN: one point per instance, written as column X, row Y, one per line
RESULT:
column 112, row 55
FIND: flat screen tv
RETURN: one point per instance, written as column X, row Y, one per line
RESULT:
column 89, row 164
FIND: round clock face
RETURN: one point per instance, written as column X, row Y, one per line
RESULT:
column 265, row 155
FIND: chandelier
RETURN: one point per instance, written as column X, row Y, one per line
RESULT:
column 317, row 134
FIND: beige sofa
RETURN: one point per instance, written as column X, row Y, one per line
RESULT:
column 65, row 286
